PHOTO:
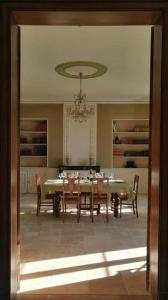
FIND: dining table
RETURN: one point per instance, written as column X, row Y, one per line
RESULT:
column 111, row 186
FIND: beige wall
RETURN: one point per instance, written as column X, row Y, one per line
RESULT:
column 54, row 114
column 105, row 114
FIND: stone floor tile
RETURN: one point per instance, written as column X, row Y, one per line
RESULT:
column 73, row 248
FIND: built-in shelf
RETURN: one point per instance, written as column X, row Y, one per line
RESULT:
column 33, row 143
column 33, row 155
column 30, row 144
column 30, row 131
column 127, row 156
column 130, row 146
column 127, row 132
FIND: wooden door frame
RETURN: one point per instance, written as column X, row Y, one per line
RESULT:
column 70, row 13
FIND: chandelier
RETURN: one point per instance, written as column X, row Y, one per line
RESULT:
column 80, row 111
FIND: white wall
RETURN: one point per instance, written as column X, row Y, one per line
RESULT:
column 79, row 140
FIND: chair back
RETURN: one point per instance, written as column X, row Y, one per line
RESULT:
column 71, row 186
column 98, row 185
column 136, row 185
column 38, row 184
column 99, row 194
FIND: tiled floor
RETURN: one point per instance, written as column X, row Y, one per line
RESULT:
column 63, row 261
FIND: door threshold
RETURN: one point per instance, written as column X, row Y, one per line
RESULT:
column 82, row 297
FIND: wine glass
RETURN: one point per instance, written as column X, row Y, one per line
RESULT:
column 111, row 176
column 60, row 175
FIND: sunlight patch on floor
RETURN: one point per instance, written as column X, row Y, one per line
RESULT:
column 80, row 260
column 76, row 276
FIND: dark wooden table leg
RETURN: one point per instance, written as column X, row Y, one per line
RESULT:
column 98, row 209
column 57, row 204
column 115, row 199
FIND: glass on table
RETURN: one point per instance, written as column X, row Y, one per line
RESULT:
column 60, row 175
column 98, row 175
column 111, row 175
column 77, row 174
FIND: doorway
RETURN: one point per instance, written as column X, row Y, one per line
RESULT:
column 155, row 111
column 74, row 242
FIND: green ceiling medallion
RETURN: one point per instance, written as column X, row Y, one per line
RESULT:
column 64, row 69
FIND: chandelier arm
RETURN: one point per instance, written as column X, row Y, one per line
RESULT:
column 80, row 93
column 80, row 111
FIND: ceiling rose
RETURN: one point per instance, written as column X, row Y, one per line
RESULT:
column 88, row 69
column 80, row 111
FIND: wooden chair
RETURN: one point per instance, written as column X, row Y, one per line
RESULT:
column 71, row 195
column 48, row 200
column 124, row 200
column 99, row 196
column 85, row 202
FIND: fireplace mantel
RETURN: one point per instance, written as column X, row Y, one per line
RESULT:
column 78, row 168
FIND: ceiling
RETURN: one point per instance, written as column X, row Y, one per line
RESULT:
column 124, row 50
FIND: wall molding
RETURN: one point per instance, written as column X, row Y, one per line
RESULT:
column 143, row 100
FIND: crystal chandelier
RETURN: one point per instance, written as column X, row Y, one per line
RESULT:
column 80, row 111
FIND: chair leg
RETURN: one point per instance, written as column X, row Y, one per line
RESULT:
column 90, row 206
column 120, row 202
column 133, row 206
column 107, row 216
column 112, row 201
column 38, row 208
column 78, row 211
column 63, row 211
column 136, row 209
column 54, row 206
column 91, row 212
